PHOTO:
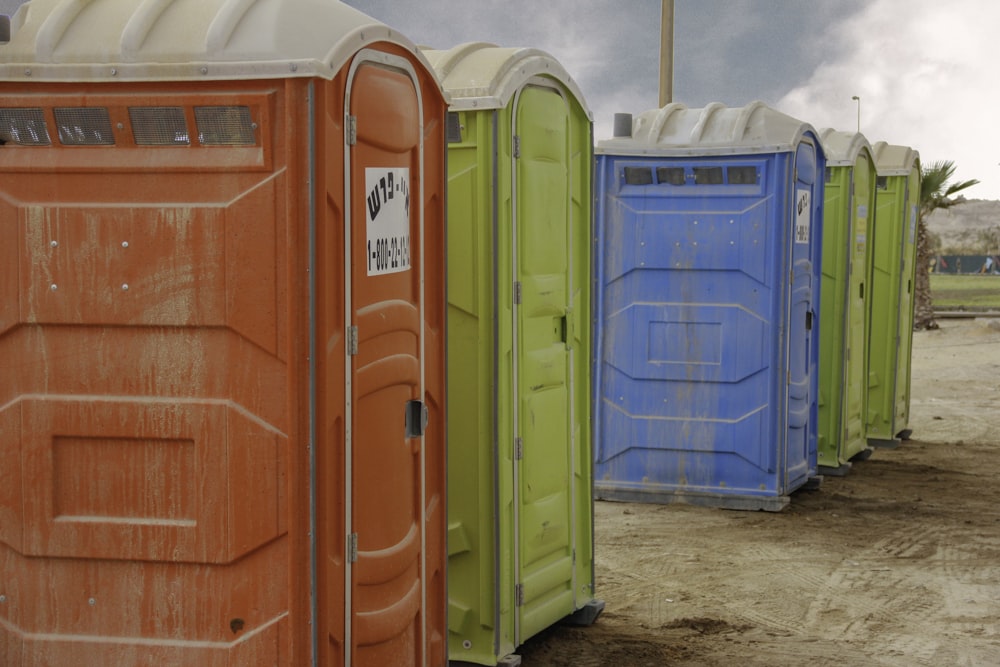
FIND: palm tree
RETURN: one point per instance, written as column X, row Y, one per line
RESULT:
column 935, row 192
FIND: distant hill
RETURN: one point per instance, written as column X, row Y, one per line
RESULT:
column 969, row 228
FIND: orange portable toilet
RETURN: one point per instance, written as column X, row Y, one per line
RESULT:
column 221, row 337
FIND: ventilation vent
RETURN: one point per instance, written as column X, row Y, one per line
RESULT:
column 159, row 126
column 453, row 130
column 638, row 176
column 741, row 175
column 708, row 175
column 670, row 175
column 225, row 126
column 24, row 127
column 84, row 126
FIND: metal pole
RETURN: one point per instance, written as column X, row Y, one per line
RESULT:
column 858, row 100
column 666, row 52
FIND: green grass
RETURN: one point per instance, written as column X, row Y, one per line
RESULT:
column 971, row 292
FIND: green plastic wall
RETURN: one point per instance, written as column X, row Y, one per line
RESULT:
column 907, row 306
column 891, row 328
column 518, row 371
column 849, row 209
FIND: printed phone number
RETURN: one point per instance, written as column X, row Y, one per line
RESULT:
column 387, row 255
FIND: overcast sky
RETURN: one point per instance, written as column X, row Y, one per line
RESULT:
column 925, row 70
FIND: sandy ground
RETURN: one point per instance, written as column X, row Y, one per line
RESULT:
column 896, row 564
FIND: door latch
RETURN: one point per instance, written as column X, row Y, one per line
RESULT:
column 416, row 419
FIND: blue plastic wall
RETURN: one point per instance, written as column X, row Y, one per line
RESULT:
column 706, row 350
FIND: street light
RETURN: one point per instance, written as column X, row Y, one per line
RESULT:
column 858, row 100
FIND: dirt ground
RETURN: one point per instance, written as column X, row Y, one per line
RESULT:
column 895, row 564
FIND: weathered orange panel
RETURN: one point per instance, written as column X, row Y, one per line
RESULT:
column 196, row 468
column 146, row 400
column 395, row 507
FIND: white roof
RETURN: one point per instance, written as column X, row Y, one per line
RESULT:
column 714, row 130
column 146, row 40
column 892, row 160
column 843, row 148
column 478, row 75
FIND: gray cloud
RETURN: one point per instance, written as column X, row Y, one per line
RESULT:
column 925, row 73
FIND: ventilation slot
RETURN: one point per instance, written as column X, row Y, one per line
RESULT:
column 225, row 126
column 24, row 127
column 708, row 175
column 638, row 176
column 741, row 175
column 159, row 126
column 670, row 175
column 453, row 130
column 84, row 126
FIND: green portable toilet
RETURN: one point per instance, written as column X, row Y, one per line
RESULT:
column 847, row 216
column 520, row 506
column 891, row 308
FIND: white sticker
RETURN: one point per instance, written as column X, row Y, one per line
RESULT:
column 913, row 223
column 387, row 215
column 802, row 216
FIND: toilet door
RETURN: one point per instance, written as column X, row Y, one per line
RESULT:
column 384, row 312
column 543, row 383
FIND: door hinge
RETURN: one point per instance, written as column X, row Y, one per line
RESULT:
column 352, row 339
column 517, row 146
column 352, row 548
column 517, row 292
column 519, row 595
column 352, row 130
column 518, row 449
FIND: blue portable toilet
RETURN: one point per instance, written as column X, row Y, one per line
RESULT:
column 708, row 231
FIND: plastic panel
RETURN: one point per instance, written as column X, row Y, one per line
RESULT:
column 891, row 282
column 149, row 518
column 193, row 40
column 706, row 368
column 154, row 335
column 849, row 211
column 548, row 188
